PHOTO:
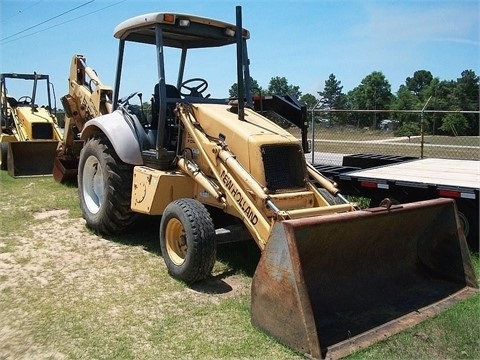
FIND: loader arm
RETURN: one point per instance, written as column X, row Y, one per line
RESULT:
column 238, row 191
column 245, row 203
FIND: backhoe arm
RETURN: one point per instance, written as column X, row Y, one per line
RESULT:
column 87, row 98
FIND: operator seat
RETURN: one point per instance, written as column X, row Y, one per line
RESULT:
column 173, row 95
column 12, row 101
column 7, row 116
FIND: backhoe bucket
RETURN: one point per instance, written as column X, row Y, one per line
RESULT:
column 65, row 169
column 31, row 158
column 329, row 285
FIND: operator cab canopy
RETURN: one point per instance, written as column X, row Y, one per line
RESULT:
column 179, row 30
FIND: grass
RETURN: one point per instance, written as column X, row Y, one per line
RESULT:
column 397, row 149
column 449, row 140
column 68, row 293
column 22, row 197
column 453, row 334
column 333, row 140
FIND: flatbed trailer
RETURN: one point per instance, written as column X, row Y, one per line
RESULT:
column 409, row 179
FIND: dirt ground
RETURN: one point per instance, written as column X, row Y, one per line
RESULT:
column 58, row 259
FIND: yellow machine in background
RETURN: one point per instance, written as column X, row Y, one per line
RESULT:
column 331, row 278
column 29, row 133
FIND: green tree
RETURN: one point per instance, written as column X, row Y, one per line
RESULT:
column 373, row 93
column 377, row 89
column 408, row 129
column 443, row 95
column 449, row 95
column 442, row 92
column 454, row 124
column 356, row 101
column 280, row 86
column 309, row 101
column 254, row 87
column 420, row 80
column 405, row 100
column 466, row 93
column 332, row 97
column 467, row 90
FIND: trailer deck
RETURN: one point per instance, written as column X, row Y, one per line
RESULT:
column 406, row 179
column 440, row 172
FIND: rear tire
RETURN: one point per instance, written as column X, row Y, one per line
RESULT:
column 104, row 187
column 187, row 240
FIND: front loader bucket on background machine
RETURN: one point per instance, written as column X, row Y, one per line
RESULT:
column 330, row 285
column 31, row 158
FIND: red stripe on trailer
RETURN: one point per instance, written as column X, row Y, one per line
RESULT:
column 368, row 184
column 449, row 193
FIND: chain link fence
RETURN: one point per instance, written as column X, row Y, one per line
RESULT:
column 335, row 133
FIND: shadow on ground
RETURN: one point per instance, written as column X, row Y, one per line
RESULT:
column 239, row 257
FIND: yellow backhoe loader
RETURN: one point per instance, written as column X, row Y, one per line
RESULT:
column 29, row 133
column 331, row 278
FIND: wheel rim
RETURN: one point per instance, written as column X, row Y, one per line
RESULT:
column 92, row 184
column 176, row 241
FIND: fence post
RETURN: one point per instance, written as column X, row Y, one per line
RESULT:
column 313, row 131
column 313, row 136
column 422, row 128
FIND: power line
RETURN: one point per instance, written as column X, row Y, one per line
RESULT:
column 62, row 23
column 43, row 22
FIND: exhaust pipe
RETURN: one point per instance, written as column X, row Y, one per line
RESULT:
column 240, row 80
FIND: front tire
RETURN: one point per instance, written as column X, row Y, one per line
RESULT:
column 104, row 187
column 187, row 240
column 3, row 155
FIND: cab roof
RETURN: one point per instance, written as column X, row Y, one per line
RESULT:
column 179, row 30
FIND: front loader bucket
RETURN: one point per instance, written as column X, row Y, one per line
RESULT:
column 330, row 285
column 31, row 158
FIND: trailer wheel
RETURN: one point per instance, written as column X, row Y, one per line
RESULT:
column 465, row 223
column 104, row 187
column 187, row 240
column 467, row 215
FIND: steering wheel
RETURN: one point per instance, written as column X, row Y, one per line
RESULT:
column 25, row 99
column 196, row 91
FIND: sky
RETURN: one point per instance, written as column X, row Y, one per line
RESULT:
column 304, row 41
